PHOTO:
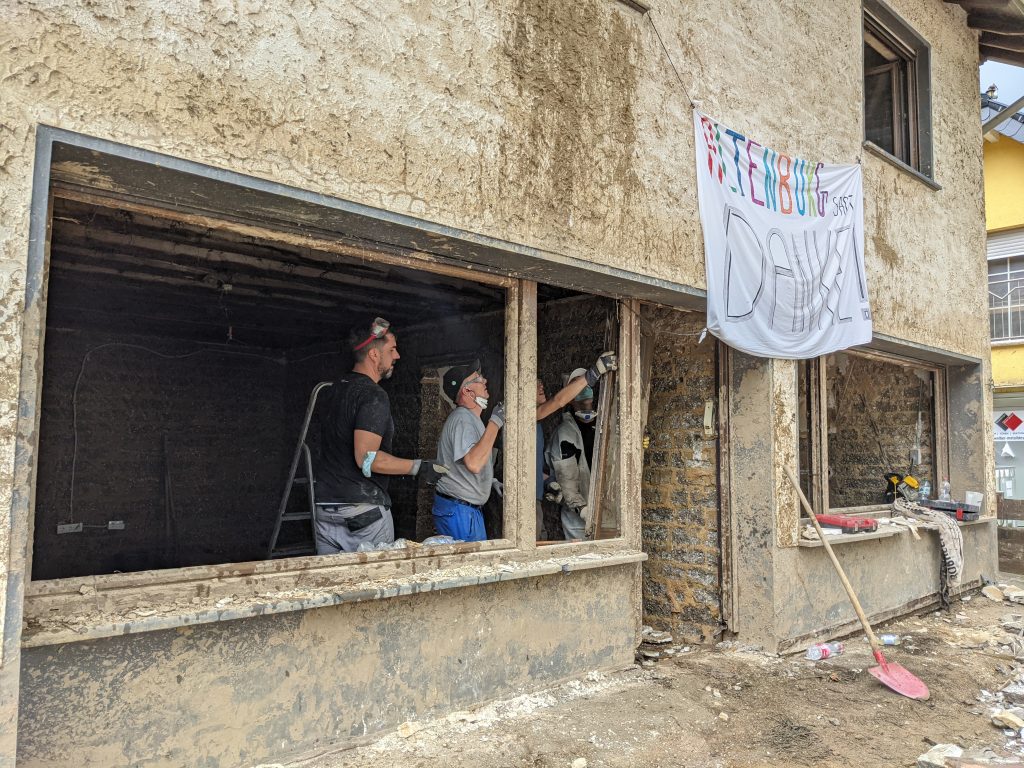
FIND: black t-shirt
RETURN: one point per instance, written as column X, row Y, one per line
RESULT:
column 353, row 402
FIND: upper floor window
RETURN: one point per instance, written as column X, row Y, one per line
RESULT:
column 1006, row 298
column 897, row 103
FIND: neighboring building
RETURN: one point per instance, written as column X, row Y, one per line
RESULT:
column 196, row 204
column 1004, row 218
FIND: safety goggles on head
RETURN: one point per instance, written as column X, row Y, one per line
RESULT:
column 377, row 331
column 478, row 379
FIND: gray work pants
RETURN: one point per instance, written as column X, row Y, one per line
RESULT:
column 343, row 527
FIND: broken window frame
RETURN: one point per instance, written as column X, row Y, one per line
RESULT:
column 170, row 589
column 816, row 397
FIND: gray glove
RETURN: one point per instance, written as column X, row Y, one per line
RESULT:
column 608, row 361
column 429, row 471
column 498, row 415
column 552, row 491
column 499, row 487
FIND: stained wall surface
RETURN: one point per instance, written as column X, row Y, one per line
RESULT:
column 241, row 692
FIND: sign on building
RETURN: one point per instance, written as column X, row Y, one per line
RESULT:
column 783, row 247
column 1007, row 425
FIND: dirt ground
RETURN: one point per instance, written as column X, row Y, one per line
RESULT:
column 733, row 707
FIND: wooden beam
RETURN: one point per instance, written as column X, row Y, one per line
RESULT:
column 418, row 260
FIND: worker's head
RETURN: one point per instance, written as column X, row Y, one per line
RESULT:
column 466, row 386
column 582, row 406
column 542, row 396
column 374, row 348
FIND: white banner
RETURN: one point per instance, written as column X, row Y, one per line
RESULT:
column 783, row 247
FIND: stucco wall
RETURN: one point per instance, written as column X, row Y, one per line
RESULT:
column 1004, row 169
column 1008, row 366
column 238, row 692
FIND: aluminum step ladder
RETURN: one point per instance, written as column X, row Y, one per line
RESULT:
column 308, row 515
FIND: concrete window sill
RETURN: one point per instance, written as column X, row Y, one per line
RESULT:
column 42, row 631
column 881, row 533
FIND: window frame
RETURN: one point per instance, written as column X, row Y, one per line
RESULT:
column 171, row 590
column 910, row 62
column 1009, row 308
column 818, row 415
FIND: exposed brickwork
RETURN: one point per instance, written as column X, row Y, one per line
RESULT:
column 893, row 395
column 223, row 421
column 681, row 582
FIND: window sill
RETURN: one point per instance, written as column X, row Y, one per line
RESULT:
column 882, row 533
column 896, row 162
column 95, row 624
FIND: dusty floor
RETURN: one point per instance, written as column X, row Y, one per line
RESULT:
column 777, row 711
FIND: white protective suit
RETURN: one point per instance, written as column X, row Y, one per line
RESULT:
column 573, row 475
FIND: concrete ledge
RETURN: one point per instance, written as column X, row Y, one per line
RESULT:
column 59, row 631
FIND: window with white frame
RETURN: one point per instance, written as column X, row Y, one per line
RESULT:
column 1006, row 297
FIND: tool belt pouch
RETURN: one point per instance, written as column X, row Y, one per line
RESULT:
column 363, row 519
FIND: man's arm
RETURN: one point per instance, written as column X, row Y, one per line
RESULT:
column 607, row 361
column 562, row 398
column 476, row 458
column 383, row 463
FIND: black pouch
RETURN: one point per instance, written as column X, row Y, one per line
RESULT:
column 363, row 519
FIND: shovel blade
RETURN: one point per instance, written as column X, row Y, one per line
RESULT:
column 897, row 678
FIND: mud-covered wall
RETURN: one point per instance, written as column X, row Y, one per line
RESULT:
column 243, row 692
column 680, row 515
column 182, row 444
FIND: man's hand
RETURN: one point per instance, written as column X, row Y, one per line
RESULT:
column 607, row 361
column 498, row 415
column 430, row 471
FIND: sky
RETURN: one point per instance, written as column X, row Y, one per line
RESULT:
column 1008, row 78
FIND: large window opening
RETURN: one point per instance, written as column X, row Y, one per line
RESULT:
column 863, row 418
column 180, row 361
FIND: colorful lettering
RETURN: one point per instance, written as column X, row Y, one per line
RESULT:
column 736, row 139
column 784, row 205
column 771, row 201
column 751, row 165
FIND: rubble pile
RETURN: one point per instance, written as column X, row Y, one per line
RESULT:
column 656, row 645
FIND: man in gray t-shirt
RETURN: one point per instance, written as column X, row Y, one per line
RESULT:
column 465, row 448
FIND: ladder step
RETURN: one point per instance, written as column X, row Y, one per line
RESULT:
column 296, row 516
column 300, row 481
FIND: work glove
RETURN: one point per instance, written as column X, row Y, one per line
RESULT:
column 499, row 487
column 429, row 471
column 552, row 491
column 608, row 361
column 498, row 415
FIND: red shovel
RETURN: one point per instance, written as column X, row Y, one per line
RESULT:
column 888, row 673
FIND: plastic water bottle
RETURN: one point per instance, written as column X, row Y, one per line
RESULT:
column 945, row 495
column 889, row 639
column 820, row 651
column 926, row 490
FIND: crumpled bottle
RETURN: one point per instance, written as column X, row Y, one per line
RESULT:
column 820, row 651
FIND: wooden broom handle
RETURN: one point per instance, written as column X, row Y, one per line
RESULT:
column 832, row 555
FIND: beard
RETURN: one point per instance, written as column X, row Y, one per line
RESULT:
column 387, row 373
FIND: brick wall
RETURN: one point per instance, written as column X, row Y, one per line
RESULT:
column 222, row 417
column 862, row 390
column 681, row 581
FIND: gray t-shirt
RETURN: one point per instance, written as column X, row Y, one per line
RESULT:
column 462, row 430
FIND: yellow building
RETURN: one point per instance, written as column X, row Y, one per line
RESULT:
column 1004, row 218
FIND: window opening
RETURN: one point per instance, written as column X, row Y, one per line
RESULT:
column 897, row 116
column 1006, row 298
column 578, row 441
column 178, row 365
column 881, row 419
